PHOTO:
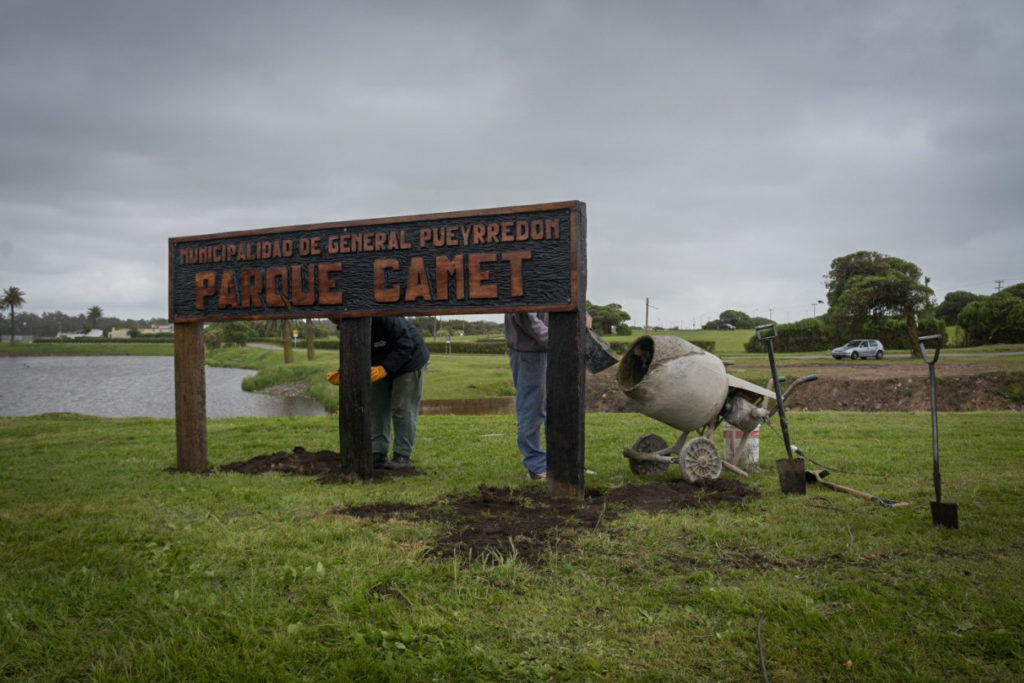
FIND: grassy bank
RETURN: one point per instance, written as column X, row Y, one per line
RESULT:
column 88, row 349
column 116, row 569
column 448, row 376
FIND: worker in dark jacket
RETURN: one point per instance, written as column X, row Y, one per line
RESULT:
column 398, row 358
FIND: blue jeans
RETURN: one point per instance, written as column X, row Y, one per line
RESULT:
column 395, row 401
column 529, row 373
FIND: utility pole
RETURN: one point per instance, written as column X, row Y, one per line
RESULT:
column 647, row 313
column 999, row 285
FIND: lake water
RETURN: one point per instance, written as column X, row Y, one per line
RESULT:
column 128, row 386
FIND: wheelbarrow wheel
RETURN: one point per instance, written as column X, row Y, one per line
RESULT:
column 699, row 460
column 648, row 443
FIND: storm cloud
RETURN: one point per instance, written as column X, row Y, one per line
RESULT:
column 727, row 152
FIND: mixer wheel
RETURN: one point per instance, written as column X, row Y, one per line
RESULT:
column 648, row 443
column 699, row 460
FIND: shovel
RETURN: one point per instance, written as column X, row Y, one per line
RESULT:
column 942, row 513
column 818, row 476
column 791, row 470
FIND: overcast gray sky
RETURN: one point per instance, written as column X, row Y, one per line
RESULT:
column 727, row 151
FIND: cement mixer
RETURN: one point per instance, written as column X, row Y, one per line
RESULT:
column 686, row 387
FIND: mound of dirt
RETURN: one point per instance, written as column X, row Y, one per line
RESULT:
column 329, row 467
column 866, row 386
column 898, row 394
column 503, row 522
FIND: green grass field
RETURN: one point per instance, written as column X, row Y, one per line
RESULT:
column 116, row 569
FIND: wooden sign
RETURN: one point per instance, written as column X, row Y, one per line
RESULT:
column 521, row 258
column 487, row 261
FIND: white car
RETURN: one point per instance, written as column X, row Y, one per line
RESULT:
column 860, row 348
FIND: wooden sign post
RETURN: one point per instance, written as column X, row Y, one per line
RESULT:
column 512, row 259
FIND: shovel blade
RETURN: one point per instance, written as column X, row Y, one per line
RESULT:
column 945, row 514
column 791, row 475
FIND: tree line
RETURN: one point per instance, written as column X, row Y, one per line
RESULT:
column 868, row 294
column 875, row 295
column 56, row 323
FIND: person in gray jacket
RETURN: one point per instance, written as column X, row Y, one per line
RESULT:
column 526, row 335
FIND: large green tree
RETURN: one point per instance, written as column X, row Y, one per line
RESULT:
column 738, row 319
column 13, row 298
column 866, row 287
column 951, row 306
column 606, row 318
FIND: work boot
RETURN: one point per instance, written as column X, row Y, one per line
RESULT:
column 380, row 461
column 399, row 462
column 536, row 476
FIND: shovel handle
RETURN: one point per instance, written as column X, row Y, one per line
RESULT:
column 885, row 502
column 846, row 489
column 766, row 336
column 935, row 416
column 732, row 468
column 938, row 347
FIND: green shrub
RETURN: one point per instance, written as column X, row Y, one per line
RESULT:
column 804, row 335
column 996, row 319
column 892, row 332
column 811, row 334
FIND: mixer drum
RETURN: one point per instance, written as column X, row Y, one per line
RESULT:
column 674, row 381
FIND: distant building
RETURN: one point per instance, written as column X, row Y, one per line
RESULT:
column 91, row 334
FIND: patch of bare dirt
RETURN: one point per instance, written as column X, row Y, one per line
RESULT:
column 527, row 523
column 867, row 386
column 329, row 467
column 896, row 394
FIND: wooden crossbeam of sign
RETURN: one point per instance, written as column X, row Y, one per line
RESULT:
column 515, row 258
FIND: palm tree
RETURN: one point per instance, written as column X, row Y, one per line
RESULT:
column 13, row 298
column 94, row 314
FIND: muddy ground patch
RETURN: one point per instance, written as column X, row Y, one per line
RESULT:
column 502, row 522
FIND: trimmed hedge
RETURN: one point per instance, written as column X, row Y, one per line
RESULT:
column 811, row 335
column 804, row 335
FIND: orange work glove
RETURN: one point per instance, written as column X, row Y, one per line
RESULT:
column 334, row 378
column 377, row 372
